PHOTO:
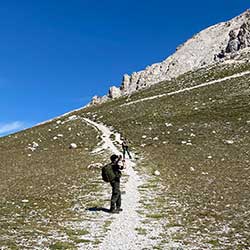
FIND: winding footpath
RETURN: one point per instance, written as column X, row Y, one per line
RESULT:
column 122, row 234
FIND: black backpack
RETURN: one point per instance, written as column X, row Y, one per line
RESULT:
column 108, row 174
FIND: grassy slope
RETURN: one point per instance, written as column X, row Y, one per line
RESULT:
column 208, row 181
column 51, row 178
column 198, row 195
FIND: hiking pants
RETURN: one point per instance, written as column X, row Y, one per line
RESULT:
column 125, row 149
column 116, row 195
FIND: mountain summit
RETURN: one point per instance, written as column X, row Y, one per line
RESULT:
column 214, row 44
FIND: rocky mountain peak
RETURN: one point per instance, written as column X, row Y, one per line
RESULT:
column 212, row 45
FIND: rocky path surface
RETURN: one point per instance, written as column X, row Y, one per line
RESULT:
column 122, row 234
column 189, row 88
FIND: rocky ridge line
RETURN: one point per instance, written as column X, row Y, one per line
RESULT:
column 215, row 44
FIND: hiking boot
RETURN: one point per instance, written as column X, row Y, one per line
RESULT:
column 114, row 211
column 119, row 209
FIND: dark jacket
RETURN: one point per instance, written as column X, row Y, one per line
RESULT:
column 116, row 168
column 124, row 144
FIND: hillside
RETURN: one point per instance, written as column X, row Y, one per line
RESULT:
column 199, row 140
column 193, row 129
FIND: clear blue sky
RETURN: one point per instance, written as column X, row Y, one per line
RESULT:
column 56, row 54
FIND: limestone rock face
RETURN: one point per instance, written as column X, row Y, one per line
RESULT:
column 98, row 100
column 233, row 44
column 114, row 92
column 126, row 82
column 239, row 39
column 244, row 35
column 211, row 45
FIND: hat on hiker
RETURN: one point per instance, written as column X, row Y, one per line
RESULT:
column 114, row 157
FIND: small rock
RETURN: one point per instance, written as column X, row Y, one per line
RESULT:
column 35, row 145
column 25, row 201
column 32, row 149
column 58, row 122
column 157, row 173
column 229, row 142
column 72, row 146
column 144, row 136
column 191, row 168
column 204, row 173
column 73, row 117
column 168, row 124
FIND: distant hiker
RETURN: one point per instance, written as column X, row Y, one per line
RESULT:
column 111, row 173
column 125, row 148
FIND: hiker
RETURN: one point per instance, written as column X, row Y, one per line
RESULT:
column 115, row 206
column 125, row 148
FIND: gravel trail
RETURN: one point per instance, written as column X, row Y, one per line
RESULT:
column 122, row 234
column 188, row 89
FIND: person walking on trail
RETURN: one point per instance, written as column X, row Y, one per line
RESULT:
column 115, row 205
column 125, row 148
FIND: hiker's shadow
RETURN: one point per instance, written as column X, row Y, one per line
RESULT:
column 97, row 209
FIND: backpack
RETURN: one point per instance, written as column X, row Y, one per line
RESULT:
column 108, row 174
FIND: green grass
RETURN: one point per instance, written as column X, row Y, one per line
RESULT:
column 203, row 187
column 51, row 178
column 156, row 216
column 208, row 179
column 62, row 246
